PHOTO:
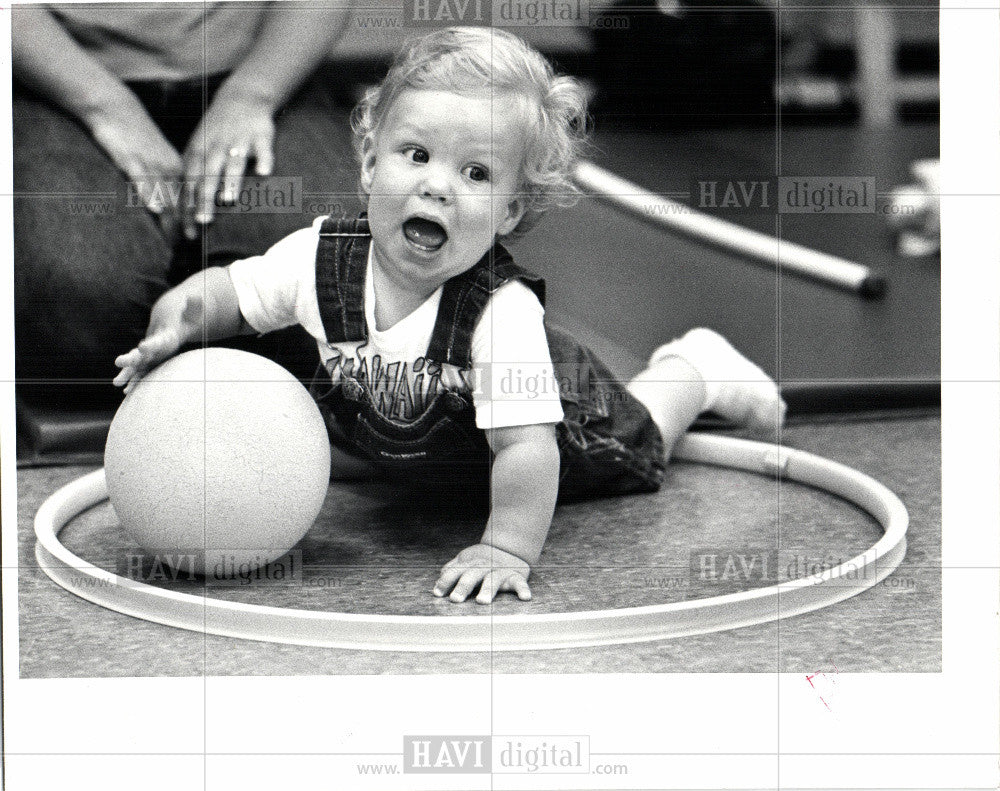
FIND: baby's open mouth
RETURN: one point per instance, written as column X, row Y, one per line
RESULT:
column 425, row 234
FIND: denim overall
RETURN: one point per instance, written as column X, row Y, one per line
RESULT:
column 608, row 443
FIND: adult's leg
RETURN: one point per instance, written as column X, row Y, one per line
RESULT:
column 87, row 267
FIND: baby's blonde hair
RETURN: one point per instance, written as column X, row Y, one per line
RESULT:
column 469, row 59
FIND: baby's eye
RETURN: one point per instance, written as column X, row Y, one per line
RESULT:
column 477, row 173
column 416, row 154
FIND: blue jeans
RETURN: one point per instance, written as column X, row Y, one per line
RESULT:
column 608, row 443
column 86, row 278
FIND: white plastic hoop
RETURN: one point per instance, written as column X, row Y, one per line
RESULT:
column 504, row 632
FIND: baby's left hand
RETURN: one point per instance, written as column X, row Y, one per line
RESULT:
column 486, row 567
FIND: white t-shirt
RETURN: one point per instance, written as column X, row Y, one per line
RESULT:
column 511, row 380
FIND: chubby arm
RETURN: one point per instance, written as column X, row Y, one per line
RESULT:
column 525, row 481
column 204, row 307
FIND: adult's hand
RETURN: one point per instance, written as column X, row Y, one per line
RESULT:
column 236, row 128
column 239, row 123
column 135, row 144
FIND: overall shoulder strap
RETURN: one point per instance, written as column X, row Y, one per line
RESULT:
column 464, row 299
column 341, row 264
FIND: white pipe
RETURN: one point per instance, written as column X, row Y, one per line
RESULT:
column 682, row 219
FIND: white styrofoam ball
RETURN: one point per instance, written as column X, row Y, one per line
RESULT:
column 217, row 461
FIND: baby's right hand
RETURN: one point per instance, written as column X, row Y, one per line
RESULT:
column 175, row 320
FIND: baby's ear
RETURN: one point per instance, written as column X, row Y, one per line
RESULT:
column 367, row 164
column 515, row 211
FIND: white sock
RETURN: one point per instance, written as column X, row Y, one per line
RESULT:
column 735, row 388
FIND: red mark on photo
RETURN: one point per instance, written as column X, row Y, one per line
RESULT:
column 823, row 682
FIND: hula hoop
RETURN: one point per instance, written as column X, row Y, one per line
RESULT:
column 504, row 632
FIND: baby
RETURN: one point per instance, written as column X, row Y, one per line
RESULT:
column 425, row 325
